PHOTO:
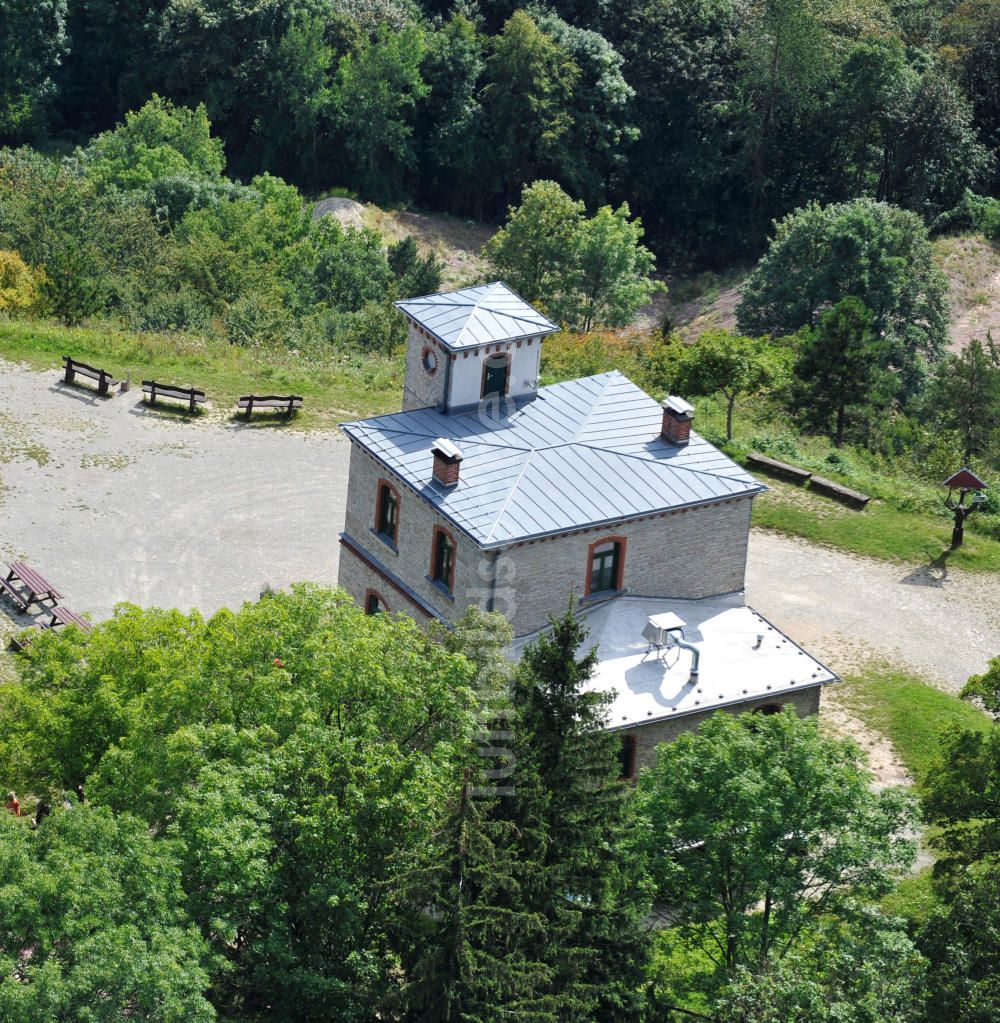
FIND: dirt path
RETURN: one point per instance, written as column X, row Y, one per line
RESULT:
column 849, row 611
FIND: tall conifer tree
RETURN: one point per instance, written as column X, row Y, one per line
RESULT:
column 470, row 932
column 593, row 895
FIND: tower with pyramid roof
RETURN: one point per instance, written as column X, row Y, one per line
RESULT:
column 466, row 345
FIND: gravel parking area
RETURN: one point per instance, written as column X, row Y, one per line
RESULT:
column 943, row 624
column 114, row 502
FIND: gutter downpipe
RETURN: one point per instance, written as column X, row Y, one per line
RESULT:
column 491, row 603
column 447, row 382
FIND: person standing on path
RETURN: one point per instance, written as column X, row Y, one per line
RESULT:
column 13, row 804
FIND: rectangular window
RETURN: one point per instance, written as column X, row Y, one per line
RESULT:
column 444, row 560
column 605, row 564
column 388, row 512
column 627, row 757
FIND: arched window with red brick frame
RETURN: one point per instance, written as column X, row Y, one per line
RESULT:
column 444, row 553
column 375, row 603
column 605, row 565
column 387, row 505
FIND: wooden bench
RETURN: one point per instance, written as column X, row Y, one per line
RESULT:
column 839, row 492
column 191, row 395
column 286, row 403
column 105, row 381
column 64, row 616
column 59, row 616
column 776, row 468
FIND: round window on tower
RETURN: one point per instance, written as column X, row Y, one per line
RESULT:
column 429, row 360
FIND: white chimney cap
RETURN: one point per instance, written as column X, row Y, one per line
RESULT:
column 447, row 449
column 678, row 406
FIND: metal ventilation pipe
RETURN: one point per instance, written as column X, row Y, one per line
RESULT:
column 680, row 641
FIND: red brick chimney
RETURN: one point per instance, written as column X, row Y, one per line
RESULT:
column 447, row 459
column 677, row 416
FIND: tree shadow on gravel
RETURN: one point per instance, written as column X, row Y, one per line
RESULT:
column 934, row 573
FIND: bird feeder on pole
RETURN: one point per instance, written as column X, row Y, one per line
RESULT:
column 966, row 482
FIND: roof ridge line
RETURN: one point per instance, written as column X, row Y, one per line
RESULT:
column 593, row 407
column 652, row 461
column 434, row 434
column 510, row 493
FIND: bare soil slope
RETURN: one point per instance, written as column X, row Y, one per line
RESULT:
column 457, row 243
column 972, row 265
column 692, row 304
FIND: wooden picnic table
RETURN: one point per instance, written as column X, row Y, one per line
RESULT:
column 34, row 587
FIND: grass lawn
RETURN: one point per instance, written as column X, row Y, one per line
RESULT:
column 880, row 531
column 910, row 713
column 914, row 898
column 344, row 386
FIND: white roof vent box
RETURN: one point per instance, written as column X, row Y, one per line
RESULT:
column 665, row 630
column 659, row 626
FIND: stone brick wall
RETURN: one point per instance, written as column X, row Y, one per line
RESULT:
column 359, row 578
column 411, row 559
column 806, row 702
column 420, row 389
column 700, row 552
column 689, row 554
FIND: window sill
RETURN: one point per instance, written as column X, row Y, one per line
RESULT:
column 601, row 595
column 387, row 540
column 441, row 588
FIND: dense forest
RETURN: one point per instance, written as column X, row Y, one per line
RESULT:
column 710, row 118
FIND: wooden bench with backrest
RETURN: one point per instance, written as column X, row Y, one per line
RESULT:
column 105, row 381
column 286, row 403
column 191, row 395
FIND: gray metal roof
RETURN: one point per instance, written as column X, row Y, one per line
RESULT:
column 476, row 316
column 578, row 454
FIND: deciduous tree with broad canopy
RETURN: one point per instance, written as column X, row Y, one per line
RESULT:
column 758, row 827
column 726, row 363
column 95, row 924
column 583, row 272
column 874, row 252
column 291, row 755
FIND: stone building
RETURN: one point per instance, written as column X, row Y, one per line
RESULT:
column 488, row 489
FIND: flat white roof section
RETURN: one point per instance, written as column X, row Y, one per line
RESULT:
column 743, row 658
